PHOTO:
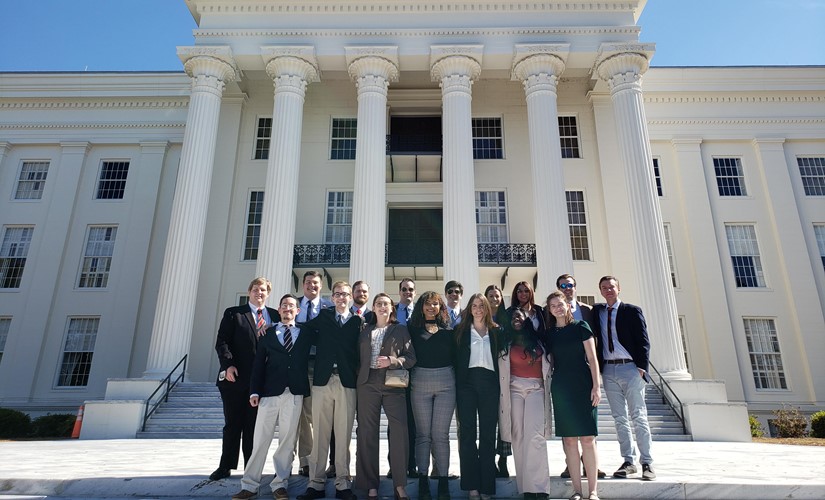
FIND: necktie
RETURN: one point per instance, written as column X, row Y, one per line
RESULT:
column 610, row 329
column 358, row 312
column 453, row 316
column 261, row 324
column 287, row 340
column 404, row 314
column 309, row 310
column 340, row 320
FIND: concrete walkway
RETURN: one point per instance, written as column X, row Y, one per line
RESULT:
column 179, row 469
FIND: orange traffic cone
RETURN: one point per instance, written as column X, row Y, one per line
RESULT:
column 78, row 423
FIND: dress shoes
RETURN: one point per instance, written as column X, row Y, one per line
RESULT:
column 220, row 473
column 245, row 495
column 311, row 494
column 280, row 494
column 346, row 494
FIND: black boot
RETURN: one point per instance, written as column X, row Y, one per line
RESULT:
column 502, row 467
column 443, row 488
column 424, row 487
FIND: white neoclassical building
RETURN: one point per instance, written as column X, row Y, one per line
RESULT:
column 486, row 141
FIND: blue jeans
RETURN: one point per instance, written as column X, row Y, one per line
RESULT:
column 625, row 390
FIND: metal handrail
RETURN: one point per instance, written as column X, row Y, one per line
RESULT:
column 169, row 383
column 680, row 411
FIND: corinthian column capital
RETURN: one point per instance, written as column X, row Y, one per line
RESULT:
column 372, row 68
column 538, row 71
column 623, row 64
column 211, row 67
column 462, row 61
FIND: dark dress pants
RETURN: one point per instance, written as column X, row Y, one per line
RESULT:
column 475, row 404
column 239, row 426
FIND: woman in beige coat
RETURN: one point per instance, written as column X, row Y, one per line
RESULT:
column 524, row 408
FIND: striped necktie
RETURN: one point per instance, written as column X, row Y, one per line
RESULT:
column 287, row 340
column 261, row 324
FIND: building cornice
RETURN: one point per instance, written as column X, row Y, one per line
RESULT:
column 202, row 34
column 732, row 98
column 91, row 125
column 92, row 103
column 737, row 121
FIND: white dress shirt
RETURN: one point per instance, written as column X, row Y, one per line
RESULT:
column 480, row 354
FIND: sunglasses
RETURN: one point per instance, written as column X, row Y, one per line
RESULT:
column 405, row 289
column 565, row 286
column 453, row 291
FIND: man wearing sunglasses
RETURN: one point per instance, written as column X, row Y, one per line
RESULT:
column 453, row 291
column 406, row 296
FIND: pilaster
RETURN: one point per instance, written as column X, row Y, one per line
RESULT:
column 291, row 69
column 210, row 69
column 622, row 67
column 372, row 69
column 455, row 68
column 539, row 67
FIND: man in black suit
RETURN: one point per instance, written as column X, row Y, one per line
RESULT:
column 566, row 284
column 624, row 360
column 238, row 335
column 277, row 388
column 333, row 391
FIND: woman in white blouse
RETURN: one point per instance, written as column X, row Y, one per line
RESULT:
column 383, row 344
column 477, row 389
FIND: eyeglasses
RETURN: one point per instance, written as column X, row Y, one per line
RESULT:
column 565, row 286
column 454, row 291
column 341, row 294
column 407, row 289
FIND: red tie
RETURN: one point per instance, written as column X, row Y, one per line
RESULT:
column 358, row 312
column 261, row 325
column 610, row 329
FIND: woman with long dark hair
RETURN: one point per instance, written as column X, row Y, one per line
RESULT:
column 496, row 298
column 382, row 345
column 576, row 392
column 476, row 374
column 432, row 390
column 524, row 372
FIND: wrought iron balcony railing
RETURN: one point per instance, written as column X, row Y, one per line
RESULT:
column 489, row 254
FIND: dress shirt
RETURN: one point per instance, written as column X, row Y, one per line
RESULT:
column 480, row 355
column 405, row 315
column 342, row 317
column 619, row 352
column 315, row 304
column 364, row 310
column 576, row 310
column 255, row 308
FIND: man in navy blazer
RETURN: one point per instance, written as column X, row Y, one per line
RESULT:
column 623, row 357
column 241, row 329
column 278, row 386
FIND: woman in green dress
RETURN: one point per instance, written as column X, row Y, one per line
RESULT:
column 576, row 392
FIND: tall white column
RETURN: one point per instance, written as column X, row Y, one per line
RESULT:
column 210, row 68
column 539, row 68
column 622, row 68
column 291, row 69
column 456, row 67
column 372, row 69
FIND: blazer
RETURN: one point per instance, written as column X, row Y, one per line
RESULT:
column 367, row 314
column 237, row 343
column 462, row 354
column 276, row 369
column 335, row 345
column 631, row 330
column 397, row 345
column 505, row 418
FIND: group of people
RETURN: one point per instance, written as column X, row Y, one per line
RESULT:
column 310, row 366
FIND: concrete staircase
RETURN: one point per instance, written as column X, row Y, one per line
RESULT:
column 194, row 411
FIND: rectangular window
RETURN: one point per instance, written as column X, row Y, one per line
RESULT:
column 32, row 180
column 577, row 220
column 97, row 257
column 670, row 260
column 569, row 137
column 729, row 178
column 586, row 299
column 243, row 300
column 744, row 254
column 684, row 340
column 344, row 134
column 112, row 182
column 77, row 352
column 263, row 133
column 252, row 237
column 5, row 325
column 819, row 232
column 488, row 142
column 812, row 171
column 763, row 349
column 13, row 252
column 339, row 217
column 657, row 176
column 491, row 217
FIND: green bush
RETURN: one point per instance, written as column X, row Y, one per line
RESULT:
column 14, row 424
column 51, row 426
column 757, row 430
column 789, row 423
column 818, row 424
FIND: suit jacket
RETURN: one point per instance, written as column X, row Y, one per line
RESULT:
column 462, row 354
column 397, row 345
column 237, row 343
column 335, row 344
column 631, row 330
column 366, row 313
column 275, row 368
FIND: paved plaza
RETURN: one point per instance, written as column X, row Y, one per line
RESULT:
column 178, row 468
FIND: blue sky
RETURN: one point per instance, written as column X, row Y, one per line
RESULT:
column 141, row 35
